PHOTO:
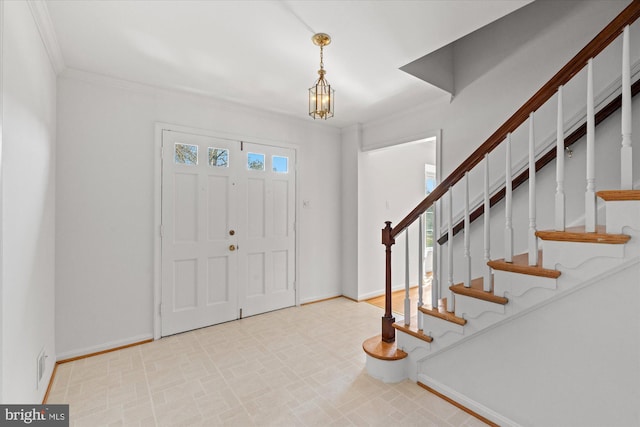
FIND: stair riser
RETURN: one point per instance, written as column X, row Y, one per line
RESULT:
column 572, row 276
column 575, row 254
column 471, row 308
column 532, row 297
column 409, row 343
column 436, row 327
column 446, row 333
column 508, row 284
column 621, row 215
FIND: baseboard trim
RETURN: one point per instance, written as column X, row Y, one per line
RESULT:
column 350, row 299
column 319, row 299
column 360, row 298
column 104, row 348
column 464, row 403
column 329, row 299
column 376, row 294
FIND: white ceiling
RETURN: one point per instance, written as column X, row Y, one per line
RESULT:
column 260, row 53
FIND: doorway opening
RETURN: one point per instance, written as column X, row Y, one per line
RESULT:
column 393, row 181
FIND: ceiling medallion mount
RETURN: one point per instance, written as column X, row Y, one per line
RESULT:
column 321, row 39
column 321, row 94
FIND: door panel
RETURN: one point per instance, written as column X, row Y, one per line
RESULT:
column 199, row 206
column 186, row 274
column 218, row 190
column 185, row 193
column 267, row 212
column 256, row 207
column 217, row 280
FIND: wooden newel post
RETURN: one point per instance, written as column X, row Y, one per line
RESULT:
column 388, row 331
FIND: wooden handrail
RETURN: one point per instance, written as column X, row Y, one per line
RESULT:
column 544, row 160
column 573, row 67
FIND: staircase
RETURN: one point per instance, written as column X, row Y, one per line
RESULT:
column 476, row 337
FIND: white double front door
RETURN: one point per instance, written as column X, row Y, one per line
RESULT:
column 228, row 230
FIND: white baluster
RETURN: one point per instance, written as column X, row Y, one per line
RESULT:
column 626, row 155
column 508, row 224
column 467, row 234
column 407, row 300
column 560, row 197
column 590, row 194
column 435, row 273
column 450, row 296
column 533, row 240
column 487, row 232
column 420, row 261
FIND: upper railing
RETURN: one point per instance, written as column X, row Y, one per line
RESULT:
column 524, row 113
column 544, row 160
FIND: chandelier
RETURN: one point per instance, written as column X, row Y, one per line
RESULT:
column 320, row 94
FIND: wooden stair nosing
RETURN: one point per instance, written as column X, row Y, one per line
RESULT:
column 520, row 264
column 449, row 317
column 381, row 350
column 476, row 290
column 413, row 330
column 579, row 235
column 619, row 195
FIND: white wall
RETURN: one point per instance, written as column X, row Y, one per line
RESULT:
column 105, row 209
column 350, row 145
column 28, row 163
column 391, row 182
column 571, row 363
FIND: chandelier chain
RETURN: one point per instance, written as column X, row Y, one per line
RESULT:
column 321, row 57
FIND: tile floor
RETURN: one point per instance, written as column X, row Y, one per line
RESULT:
column 294, row 367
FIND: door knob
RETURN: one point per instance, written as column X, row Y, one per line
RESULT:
column 232, row 248
column 232, row 232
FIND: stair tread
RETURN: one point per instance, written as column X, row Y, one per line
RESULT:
column 520, row 264
column 449, row 317
column 619, row 195
column 413, row 329
column 379, row 349
column 578, row 234
column 477, row 291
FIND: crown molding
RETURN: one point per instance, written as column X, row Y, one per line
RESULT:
column 104, row 80
column 41, row 16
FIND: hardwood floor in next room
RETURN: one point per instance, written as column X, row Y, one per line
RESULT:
column 292, row 367
column 397, row 298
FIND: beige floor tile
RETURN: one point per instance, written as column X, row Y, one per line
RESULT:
column 137, row 414
column 183, row 412
column 473, row 422
column 237, row 374
column 460, row 419
column 95, row 418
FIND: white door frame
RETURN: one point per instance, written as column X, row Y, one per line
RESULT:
column 157, row 221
